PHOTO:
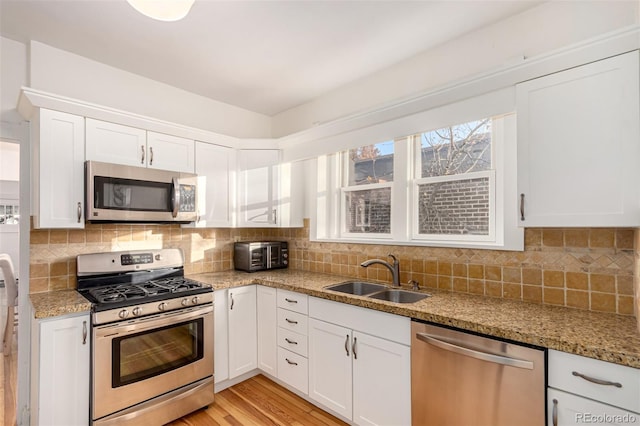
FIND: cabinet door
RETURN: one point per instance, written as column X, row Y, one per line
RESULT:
column 567, row 409
column 221, row 337
column 115, row 143
column 59, row 164
column 330, row 380
column 166, row 152
column 215, row 167
column 381, row 381
column 578, row 146
column 64, row 372
column 243, row 347
column 267, row 330
column 257, row 187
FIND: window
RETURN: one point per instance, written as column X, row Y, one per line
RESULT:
column 366, row 194
column 453, row 190
column 447, row 180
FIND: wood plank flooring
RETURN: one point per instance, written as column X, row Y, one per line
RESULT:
column 258, row 401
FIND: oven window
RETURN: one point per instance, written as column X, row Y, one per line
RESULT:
column 130, row 194
column 153, row 352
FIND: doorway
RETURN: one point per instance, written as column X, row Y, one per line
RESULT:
column 10, row 248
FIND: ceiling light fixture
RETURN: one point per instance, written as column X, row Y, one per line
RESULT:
column 163, row 10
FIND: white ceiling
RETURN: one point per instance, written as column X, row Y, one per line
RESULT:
column 264, row 56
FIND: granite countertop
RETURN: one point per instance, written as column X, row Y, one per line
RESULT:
column 608, row 337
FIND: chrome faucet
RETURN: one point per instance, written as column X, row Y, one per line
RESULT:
column 394, row 269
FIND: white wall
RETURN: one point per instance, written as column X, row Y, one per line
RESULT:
column 13, row 75
column 66, row 74
column 543, row 29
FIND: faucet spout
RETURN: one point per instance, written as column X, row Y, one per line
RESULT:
column 393, row 268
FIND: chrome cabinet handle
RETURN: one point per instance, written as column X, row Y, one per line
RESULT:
column 353, row 348
column 291, row 300
column 151, row 156
column 290, row 362
column 232, row 302
column 142, row 159
column 521, row 206
column 554, row 413
column 291, row 342
column 290, row 321
column 79, row 211
column 346, row 344
column 596, row 381
column 84, row 332
column 275, row 216
column 484, row 356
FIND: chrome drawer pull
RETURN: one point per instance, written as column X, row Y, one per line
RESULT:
column 596, row 381
column 554, row 413
column 346, row 345
column 291, row 300
column 84, row 332
column 291, row 342
column 290, row 321
column 290, row 362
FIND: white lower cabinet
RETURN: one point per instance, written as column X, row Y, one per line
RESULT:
column 588, row 391
column 243, row 334
column 267, row 328
column 221, row 336
column 60, row 371
column 360, row 376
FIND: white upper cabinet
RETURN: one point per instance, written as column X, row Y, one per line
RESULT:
column 58, row 170
column 579, row 144
column 270, row 193
column 258, row 187
column 215, row 167
column 168, row 152
column 118, row 144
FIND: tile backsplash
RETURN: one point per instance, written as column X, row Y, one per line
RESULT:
column 585, row 268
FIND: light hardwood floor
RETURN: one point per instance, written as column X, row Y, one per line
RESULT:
column 258, row 401
column 8, row 380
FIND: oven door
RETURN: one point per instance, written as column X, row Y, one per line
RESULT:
column 137, row 360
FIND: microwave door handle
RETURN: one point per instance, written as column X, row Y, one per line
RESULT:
column 175, row 197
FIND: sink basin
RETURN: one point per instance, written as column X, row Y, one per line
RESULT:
column 358, row 288
column 398, row 296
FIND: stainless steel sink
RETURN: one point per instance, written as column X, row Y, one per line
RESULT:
column 377, row 291
column 398, row 296
column 358, row 288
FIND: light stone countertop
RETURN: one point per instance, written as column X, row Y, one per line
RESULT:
column 604, row 336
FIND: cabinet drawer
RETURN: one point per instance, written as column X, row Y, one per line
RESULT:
column 572, row 373
column 293, row 321
column 293, row 301
column 567, row 409
column 293, row 341
column 293, row 369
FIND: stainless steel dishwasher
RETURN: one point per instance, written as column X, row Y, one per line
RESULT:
column 463, row 379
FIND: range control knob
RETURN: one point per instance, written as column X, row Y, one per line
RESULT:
column 123, row 313
column 136, row 311
column 184, row 302
column 158, row 257
column 162, row 306
column 195, row 300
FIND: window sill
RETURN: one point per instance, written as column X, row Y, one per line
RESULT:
column 517, row 245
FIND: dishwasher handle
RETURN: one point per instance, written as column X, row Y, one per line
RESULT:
column 484, row 356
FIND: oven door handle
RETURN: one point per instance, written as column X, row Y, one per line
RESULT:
column 136, row 326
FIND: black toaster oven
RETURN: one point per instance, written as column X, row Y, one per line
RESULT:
column 260, row 255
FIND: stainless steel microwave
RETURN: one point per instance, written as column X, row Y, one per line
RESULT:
column 117, row 193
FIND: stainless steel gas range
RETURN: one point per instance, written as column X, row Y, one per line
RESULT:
column 152, row 337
